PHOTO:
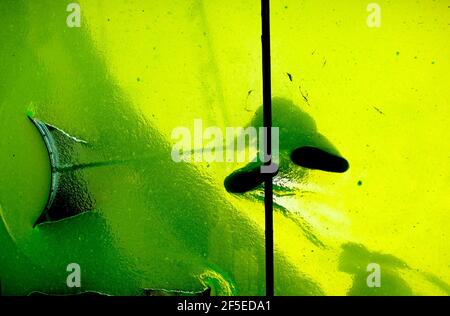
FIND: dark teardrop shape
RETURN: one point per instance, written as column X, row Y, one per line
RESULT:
column 246, row 179
column 243, row 180
column 315, row 158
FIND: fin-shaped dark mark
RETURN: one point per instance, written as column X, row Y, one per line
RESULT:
column 315, row 158
column 289, row 76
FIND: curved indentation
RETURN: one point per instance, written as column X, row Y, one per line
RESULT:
column 315, row 158
column 68, row 195
column 53, row 155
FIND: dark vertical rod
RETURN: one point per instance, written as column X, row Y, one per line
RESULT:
column 267, row 113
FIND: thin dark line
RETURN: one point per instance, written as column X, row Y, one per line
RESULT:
column 267, row 114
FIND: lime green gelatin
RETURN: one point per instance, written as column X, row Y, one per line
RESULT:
column 111, row 91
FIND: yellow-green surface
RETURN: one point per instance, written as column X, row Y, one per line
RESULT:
column 133, row 72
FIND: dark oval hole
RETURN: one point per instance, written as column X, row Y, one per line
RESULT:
column 243, row 180
column 315, row 158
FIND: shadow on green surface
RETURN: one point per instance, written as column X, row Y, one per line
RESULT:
column 354, row 260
